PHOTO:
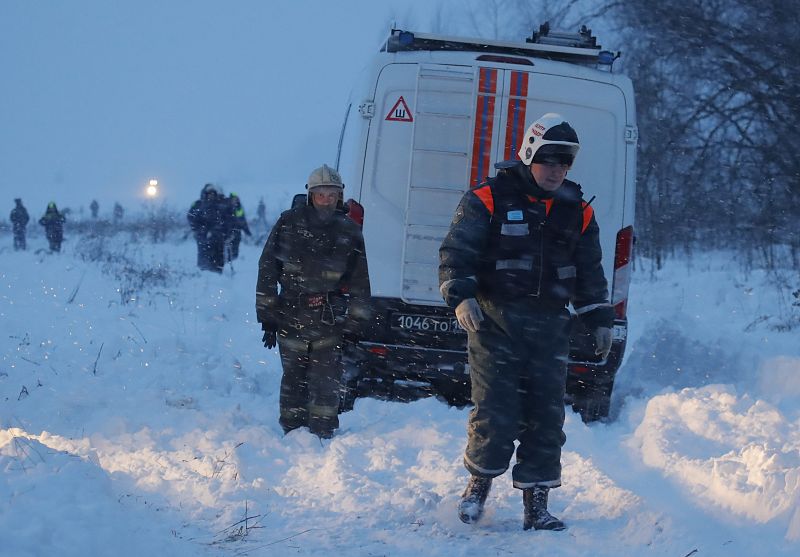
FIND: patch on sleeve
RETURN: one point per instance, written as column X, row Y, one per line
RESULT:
column 459, row 216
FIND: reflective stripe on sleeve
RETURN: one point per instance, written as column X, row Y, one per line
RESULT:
column 590, row 307
column 514, row 264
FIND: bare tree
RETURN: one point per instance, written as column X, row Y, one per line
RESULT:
column 719, row 109
column 718, row 102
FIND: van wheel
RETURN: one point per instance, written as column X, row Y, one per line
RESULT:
column 593, row 403
column 348, row 397
column 349, row 390
column 455, row 393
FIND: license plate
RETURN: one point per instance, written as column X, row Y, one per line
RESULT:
column 425, row 323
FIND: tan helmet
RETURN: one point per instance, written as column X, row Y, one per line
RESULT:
column 324, row 176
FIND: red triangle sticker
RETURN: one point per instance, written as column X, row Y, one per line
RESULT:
column 400, row 112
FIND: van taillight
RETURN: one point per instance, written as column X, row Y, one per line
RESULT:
column 355, row 211
column 622, row 272
column 379, row 350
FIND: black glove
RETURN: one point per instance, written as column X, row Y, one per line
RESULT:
column 270, row 339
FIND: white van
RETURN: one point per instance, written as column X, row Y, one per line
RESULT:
column 430, row 118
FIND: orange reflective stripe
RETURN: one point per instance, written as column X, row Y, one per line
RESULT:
column 484, row 123
column 588, row 213
column 484, row 193
column 515, row 120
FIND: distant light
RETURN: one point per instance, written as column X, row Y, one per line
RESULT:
column 152, row 188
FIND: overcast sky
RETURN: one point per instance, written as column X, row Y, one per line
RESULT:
column 99, row 96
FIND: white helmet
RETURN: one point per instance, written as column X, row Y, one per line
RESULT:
column 324, row 176
column 549, row 135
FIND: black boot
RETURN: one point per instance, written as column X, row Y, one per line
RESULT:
column 470, row 509
column 536, row 514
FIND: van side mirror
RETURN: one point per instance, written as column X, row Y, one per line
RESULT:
column 355, row 211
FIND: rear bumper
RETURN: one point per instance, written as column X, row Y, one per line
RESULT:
column 388, row 352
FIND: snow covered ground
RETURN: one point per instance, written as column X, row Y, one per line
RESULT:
column 138, row 416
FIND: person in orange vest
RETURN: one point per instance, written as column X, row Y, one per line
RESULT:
column 520, row 248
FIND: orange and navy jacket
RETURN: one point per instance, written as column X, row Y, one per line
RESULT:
column 510, row 240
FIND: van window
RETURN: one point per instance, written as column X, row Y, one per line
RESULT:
column 341, row 134
column 348, row 151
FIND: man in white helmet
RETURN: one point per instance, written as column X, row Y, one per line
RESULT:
column 521, row 247
column 316, row 254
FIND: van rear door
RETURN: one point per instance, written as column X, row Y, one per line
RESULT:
column 442, row 128
column 440, row 147
column 415, row 175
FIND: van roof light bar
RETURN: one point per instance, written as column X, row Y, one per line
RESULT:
column 580, row 47
column 582, row 39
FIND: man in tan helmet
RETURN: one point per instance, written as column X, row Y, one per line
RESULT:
column 316, row 254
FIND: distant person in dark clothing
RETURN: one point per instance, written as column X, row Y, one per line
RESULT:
column 94, row 207
column 53, row 223
column 238, row 224
column 209, row 220
column 118, row 213
column 19, row 222
column 261, row 212
column 261, row 227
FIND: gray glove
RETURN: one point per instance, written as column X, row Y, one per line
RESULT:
column 469, row 314
column 602, row 337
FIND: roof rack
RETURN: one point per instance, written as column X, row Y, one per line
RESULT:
column 582, row 39
column 580, row 47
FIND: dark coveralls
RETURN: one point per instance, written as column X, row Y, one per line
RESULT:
column 321, row 267
column 19, row 221
column 524, row 254
column 53, row 223
column 208, row 217
column 238, row 225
